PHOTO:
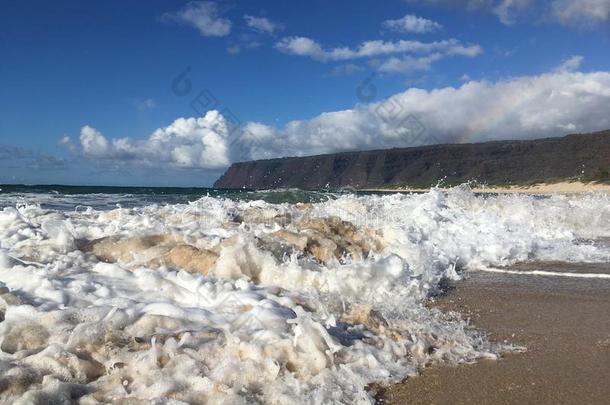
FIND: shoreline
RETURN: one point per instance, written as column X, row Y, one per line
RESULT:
column 563, row 324
column 542, row 188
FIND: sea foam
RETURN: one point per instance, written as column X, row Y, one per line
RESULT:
column 297, row 303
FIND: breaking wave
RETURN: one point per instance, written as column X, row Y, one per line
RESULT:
column 238, row 301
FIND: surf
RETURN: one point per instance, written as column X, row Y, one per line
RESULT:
column 234, row 300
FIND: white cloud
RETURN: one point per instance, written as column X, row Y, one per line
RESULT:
column 66, row 142
column 427, row 53
column 261, row 24
column 409, row 63
column 303, row 46
column 187, row 142
column 202, row 15
column 545, row 105
column 508, row 10
column 571, row 64
column 581, row 12
column 412, row 24
column 566, row 12
column 93, row 142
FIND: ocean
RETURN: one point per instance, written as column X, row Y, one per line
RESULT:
column 235, row 296
column 105, row 197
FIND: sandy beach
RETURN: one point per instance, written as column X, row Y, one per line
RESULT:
column 542, row 188
column 563, row 322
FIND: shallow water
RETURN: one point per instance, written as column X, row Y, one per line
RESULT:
column 241, row 296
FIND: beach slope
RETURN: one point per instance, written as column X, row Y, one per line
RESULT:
column 562, row 321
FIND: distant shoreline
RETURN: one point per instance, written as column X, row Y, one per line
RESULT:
column 578, row 157
column 542, row 188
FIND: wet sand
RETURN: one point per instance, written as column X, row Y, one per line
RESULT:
column 563, row 322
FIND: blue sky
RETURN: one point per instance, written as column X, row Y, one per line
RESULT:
column 86, row 84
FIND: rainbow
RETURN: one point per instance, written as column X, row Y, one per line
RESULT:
column 497, row 111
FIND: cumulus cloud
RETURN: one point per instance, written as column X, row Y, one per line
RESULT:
column 411, row 24
column 303, row 46
column 546, row 105
column 202, row 15
column 261, row 24
column 93, row 142
column 187, row 143
column 581, row 12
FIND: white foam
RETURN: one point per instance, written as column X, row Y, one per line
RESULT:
column 259, row 328
column 547, row 273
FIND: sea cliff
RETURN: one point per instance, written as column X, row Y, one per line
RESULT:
column 584, row 157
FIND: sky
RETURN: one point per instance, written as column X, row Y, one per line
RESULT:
column 169, row 93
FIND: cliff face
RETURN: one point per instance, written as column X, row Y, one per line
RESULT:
column 585, row 156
